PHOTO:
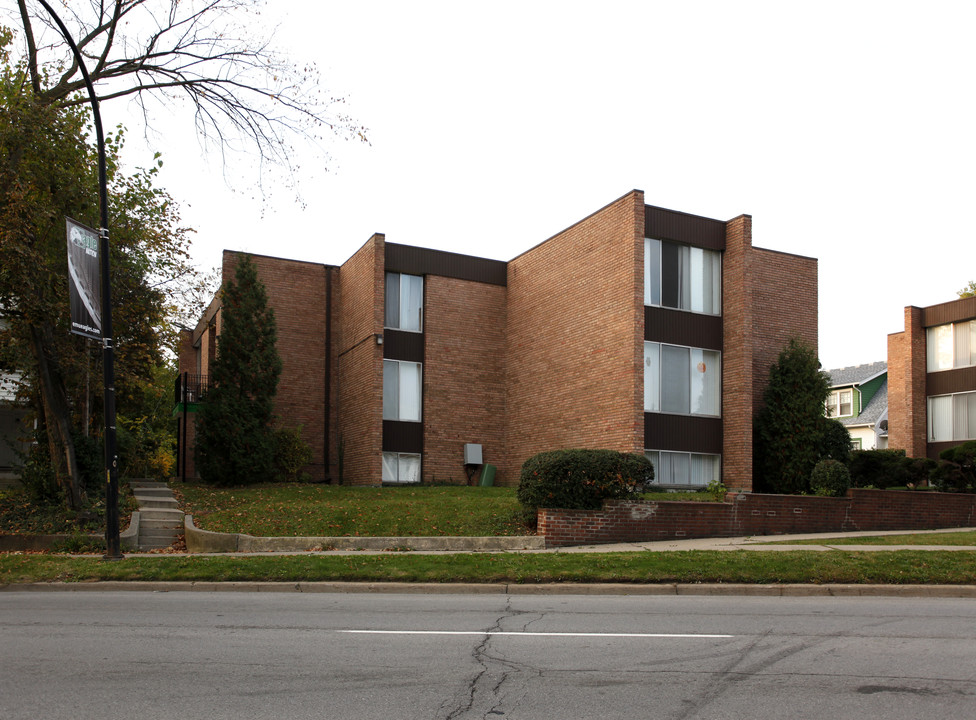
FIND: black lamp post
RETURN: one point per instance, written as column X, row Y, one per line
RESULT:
column 112, row 543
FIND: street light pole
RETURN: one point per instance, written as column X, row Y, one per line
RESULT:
column 113, row 549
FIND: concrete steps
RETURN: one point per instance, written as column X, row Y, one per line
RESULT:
column 160, row 519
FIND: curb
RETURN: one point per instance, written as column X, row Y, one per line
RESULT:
column 665, row 589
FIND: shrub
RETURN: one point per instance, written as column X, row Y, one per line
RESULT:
column 835, row 441
column 919, row 471
column 888, row 468
column 830, row 478
column 879, row 468
column 789, row 432
column 38, row 477
column 581, row 479
column 717, row 489
column 292, row 454
column 957, row 471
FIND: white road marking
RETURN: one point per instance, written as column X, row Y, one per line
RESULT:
column 530, row 634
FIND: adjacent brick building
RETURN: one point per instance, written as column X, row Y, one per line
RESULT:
column 932, row 379
column 638, row 329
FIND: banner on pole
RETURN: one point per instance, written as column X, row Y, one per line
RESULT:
column 84, row 282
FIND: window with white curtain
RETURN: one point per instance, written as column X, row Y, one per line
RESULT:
column 682, row 380
column 682, row 277
column 401, row 467
column 950, row 346
column 402, row 390
column 404, row 302
column 952, row 417
column 681, row 468
column 652, row 377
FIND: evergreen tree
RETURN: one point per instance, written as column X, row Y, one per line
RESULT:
column 789, row 430
column 235, row 437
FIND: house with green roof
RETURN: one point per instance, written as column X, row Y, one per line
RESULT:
column 859, row 400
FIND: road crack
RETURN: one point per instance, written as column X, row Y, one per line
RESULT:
column 487, row 688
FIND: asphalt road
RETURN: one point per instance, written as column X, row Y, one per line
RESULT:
column 292, row 656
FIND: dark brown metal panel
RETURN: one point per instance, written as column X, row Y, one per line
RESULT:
column 400, row 345
column 951, row 381
column 681, row 227
column 403, row 436
column 423, row 261
column 682, row 432
column 682, row 328
column 948, row 312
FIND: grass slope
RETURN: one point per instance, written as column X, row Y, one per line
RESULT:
column 280, row 510
column 291, row 510
column 898, row 567
column 961, row 539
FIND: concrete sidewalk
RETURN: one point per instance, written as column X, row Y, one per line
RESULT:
column 385, row 546
column 779, row 543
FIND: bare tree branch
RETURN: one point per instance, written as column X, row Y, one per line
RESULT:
column 236, row 84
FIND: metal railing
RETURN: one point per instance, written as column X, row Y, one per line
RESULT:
column 191, row 388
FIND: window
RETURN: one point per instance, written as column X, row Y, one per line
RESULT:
column 840, row 403
column 950, row 346
column 680, row 468
column 401, row 467
column 952, row 417
column 682, row 277
column 855, row 443
column 402, row 389
column 682, row 380
column 404, row 302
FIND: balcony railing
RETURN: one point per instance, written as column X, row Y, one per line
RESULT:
column 191, row 388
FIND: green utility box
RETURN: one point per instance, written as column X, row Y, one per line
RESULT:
column 487, row 476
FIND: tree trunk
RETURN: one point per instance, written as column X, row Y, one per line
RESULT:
column 55, row 400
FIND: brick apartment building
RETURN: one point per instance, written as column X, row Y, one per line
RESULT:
column 932, row 379
column 637, row 329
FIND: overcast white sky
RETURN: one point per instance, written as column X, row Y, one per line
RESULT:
column 846, row 129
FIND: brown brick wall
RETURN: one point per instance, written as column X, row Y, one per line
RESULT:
column 737, row 352
column 768, row 298
column 331, row 394
column 784, row 297
column 555, row 360
column 575, row 333
column 359, row 386
column 187, row 355
column 464, row 376
column 754, row 514
column 906, row 386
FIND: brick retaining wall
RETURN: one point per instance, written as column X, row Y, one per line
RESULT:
column 755, row 514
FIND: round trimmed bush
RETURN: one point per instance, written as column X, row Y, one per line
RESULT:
column 830, row 478
column 581, row 479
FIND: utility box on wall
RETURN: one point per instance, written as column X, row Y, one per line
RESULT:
column 472, row 454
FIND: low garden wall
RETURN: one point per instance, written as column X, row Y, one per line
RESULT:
column 748, row 514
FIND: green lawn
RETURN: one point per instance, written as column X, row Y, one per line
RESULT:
column 279, row 510
column 949, row 538
column 451, row 510
column 836, row 566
